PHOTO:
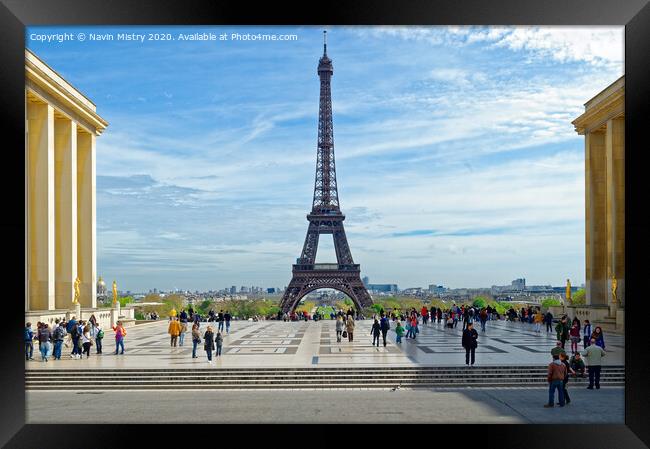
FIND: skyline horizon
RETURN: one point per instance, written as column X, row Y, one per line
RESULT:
column 208, row 172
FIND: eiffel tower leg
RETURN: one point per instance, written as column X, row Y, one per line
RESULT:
column 343, row 254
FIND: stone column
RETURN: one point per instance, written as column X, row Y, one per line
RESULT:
column 615, row 149
column 595, row 220
column 65, row 181
column 86, row 232
column 40, row 207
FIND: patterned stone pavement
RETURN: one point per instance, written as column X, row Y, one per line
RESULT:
column 311, row 344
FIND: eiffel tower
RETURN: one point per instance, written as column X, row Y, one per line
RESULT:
column 325, row 217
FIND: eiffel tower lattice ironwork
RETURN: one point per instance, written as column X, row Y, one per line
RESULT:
column 325, row 217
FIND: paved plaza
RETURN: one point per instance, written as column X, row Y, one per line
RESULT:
column 313, row 344
column 494, row 406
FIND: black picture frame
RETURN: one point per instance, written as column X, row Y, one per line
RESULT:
column 634, row 14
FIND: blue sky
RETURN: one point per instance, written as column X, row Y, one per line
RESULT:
column 457, row 163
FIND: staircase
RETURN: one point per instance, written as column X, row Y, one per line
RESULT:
column 297, row 378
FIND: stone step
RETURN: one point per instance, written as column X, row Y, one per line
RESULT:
column 234, row 386
column 220, row 374
column 461, row 368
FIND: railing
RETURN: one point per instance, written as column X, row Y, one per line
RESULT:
column 326, row 266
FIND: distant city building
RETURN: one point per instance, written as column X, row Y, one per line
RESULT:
column 388, row 288
column 365, row 281
column 519, row 284
column 436, row 289
column 233, row 290
column 102, row 292
column 270, row 290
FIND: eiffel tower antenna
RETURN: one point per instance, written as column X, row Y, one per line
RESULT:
column 325, row 216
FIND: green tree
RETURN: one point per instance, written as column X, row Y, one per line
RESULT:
column 579, row 298
column 548, row 302
column 480, row 302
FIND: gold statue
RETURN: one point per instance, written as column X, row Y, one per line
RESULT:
column 114, row 292
column 76, row 284
column 568, row 291
column 614, row 286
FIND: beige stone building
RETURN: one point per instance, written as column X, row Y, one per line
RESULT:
column 603, row 125
column 61, row 125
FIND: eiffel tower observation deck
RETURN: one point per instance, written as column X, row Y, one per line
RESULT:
column 325, row 216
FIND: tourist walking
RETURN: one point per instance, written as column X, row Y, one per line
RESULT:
column 29, row 341
column 384, row 324
column 598, row 336
column 44, row 337
column 85, row 341
column 120, row 333
column 574, row 335
column 219, row 344
column 196, row 340
column 565, row 381
column 375, row 331
column 548, row 319
column 58, row 336
column 586, row 334
column 227, row 317
column 555, row 377
column 399, row 332
column 562, row 330
column 539, row 319
column 339, row 328
column 483, row 317
column 220, row 320
column 414, row 325
column 349, row 327
column 75, row 334
column 594, row 355
column 99, row 338
column 174, row 329
column 208, row 344
column 181, row 335
column 469, row 341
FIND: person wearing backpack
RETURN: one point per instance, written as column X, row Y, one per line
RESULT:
column 219, row 342
column 44, row 338
column 399, row 332
column 385, row 326
column 59, row 336
column 29, row 342
column 99, row 336
column 196, row 339
column 120, row 333
column 75, row 334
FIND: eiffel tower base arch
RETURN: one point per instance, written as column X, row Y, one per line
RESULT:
column 305, row 281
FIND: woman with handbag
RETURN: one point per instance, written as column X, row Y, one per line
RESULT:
column 196, row 339
column 209, row 343
column 349, row 327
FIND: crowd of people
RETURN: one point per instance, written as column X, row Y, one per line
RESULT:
column 77, row 335
column 80, row 336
